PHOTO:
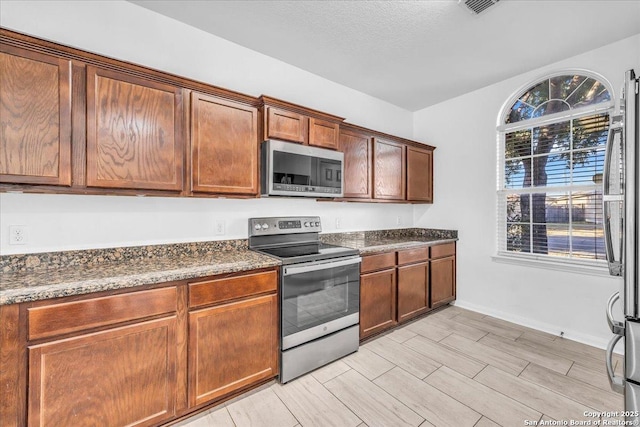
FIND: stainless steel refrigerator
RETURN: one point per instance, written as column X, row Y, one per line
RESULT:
column 621, row 198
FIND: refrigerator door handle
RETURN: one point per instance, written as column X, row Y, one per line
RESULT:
column 615, row 266
column 617, row 383
column 616, row 326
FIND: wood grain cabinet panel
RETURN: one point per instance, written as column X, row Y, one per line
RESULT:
column 286, row 125
column 228, row 288
column 378, row 262
column 134, row 132
column 377, row 302
column 323, row 133
column 224, row 146
column 419, row 174
column 358, row 166
column 55, row 319
column 409, row 256
column 35, row 115
column 443, row 281
column 443, row 250
column 123, row 376
column 413, row 290
column 389, row 170
column 232, row 346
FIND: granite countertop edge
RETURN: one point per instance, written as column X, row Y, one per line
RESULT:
column 401, row 245
column 124, row 281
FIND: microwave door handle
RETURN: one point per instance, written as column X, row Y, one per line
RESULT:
column 307, row 268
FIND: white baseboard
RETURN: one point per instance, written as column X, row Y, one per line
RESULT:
column 591, row 340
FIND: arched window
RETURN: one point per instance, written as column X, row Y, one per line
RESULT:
column 552, row 138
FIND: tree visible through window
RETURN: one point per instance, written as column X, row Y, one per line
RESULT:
column 550, row 194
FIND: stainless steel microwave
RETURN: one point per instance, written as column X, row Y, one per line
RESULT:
column 299, row 170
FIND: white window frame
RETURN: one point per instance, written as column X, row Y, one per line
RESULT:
column 597, row 267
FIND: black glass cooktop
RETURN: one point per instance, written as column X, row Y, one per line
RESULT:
column 308, row 252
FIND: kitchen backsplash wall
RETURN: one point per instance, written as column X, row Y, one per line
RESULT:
column 67, row 222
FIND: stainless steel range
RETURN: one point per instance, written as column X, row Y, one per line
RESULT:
column 319, row 292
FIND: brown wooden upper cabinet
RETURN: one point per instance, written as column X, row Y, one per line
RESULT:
column 358, row 155
column 295, row 127
column 389, row 168
column 134, row 132
column 35, row 112
column 224, row 146
column 419, row 174
column 323, row 133
column 286, row 125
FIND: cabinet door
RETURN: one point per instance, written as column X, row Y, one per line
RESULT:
column 232, row 346
column 123, row 376
column 323, row 133
column 357, row 164
column 377, row 302
column 286, row 125
column 133, row 132
column 413, row 290
column 419, row 175
column 443, row 281
column 388, row 170
column 224, row 146
column 35, row 113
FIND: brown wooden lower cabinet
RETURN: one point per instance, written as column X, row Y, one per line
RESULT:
column 377, row 301
column 398, row 286
column 413, row 290
column 232, row 346
column 137, row 358
column 443, row 281
column 123, row 376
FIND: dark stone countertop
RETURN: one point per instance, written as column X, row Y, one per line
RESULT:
column 33, row 277
column 371, row 242
column 83, row 278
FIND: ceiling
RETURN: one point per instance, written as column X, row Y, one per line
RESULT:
column 411, row 53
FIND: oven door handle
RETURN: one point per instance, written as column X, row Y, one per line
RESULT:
column 317, row 266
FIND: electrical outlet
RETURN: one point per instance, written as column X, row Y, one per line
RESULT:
column 18, row 235
column 338, row 223
column 219, row 227
column 398, row 220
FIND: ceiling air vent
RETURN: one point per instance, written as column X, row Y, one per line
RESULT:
column 477, row 6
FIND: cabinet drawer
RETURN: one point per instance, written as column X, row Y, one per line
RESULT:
column 441, row 251
column 378, row 262
column 413, row 255
column 51, row 320
column 228, row 288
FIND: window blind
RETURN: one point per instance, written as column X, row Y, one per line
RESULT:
column 550, row 188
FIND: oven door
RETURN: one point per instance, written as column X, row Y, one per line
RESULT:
column 319, row 298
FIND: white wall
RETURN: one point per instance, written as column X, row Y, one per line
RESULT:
column 64, row 222
column 464, row 130
column 125, row 31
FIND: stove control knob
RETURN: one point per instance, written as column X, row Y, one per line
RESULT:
column 306, row 224
column 265, row 226
column 257, row 227
column 317, row 224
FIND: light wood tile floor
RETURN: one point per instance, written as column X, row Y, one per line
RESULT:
column 452, row 368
